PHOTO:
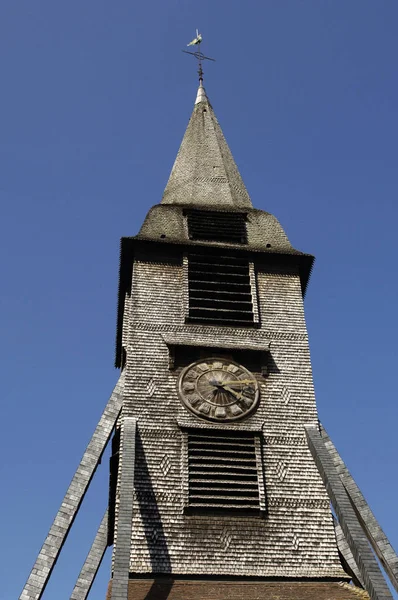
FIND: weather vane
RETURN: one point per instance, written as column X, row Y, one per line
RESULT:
column 198, row 54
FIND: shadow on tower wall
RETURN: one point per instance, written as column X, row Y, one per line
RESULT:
column 153, row 527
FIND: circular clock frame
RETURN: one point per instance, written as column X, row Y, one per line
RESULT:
column 218, row 390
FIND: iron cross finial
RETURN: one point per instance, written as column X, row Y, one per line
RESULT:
column 198, row 54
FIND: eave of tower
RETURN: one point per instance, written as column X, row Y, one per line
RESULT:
column 204, row 172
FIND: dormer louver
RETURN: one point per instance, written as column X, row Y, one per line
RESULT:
column 212, row 226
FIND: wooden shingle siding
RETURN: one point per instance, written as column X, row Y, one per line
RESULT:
column 296, row 538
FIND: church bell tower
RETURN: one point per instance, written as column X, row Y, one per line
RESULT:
column 221, row 476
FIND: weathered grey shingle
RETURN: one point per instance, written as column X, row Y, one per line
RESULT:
column 204, row 172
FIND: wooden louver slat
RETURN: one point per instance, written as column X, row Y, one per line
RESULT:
column 222, row 471
column 219, row 290
column 215, row 226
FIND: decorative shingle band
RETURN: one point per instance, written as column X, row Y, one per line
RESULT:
column 238, row 189
column 155, row 432
column 210, row 179
column 270, row 440
column 158, row 496
column 60, row 528
column 284, row 440
column 298, row 502
column 92, row 562
column 372, row 576
column 235, row 332
column 275, row 502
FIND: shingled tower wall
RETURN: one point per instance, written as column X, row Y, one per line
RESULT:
column 171, row 543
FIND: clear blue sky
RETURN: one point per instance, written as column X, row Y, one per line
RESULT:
column 95, row 98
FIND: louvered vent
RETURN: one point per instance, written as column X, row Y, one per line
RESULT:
column 222, row 471
column 217, row 226
column 219, row 289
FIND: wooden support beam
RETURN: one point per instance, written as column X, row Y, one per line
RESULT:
column 373, row 578
column 376, row 536
column 346, row 553
column 92, row 562
column 63, row 521
column 121, row 567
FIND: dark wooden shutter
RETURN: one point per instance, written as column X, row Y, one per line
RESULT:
column 223, row 470
column 214, row 226
column 219, row 289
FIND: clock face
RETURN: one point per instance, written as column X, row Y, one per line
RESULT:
column 218, row 389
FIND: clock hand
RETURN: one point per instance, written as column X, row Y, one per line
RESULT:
column 237, row 395
column 238, row 381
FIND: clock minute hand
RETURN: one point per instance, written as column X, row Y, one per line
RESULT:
column 243, row 381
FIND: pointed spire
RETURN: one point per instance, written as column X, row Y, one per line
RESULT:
column 201, row 95
column 204, row 172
